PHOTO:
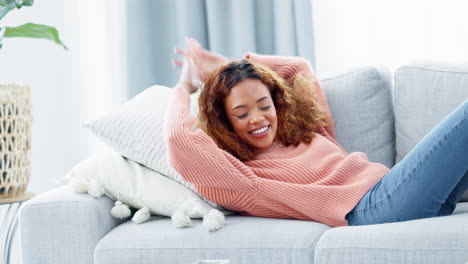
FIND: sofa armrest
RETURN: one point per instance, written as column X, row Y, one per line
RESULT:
column 60, row 226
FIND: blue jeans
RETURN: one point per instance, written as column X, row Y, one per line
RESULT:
column 428, row 182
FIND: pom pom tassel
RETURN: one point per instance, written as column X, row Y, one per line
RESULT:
column 141, row 215
column 180, row 219
column 214, row 220
column 94, row 189
column 198, row 211
column 78, row 185
column 120, row 210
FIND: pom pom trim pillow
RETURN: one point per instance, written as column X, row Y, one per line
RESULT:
column 132, row 184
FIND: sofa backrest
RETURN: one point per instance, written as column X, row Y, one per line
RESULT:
column 361, row 105
column 386, row 121
column 424, row 94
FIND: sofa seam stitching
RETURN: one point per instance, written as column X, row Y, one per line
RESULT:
column 223, row 248
column 404, row 249
column 433, row 70
column 44, row 203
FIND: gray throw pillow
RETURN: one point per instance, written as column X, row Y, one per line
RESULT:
column 361, row 105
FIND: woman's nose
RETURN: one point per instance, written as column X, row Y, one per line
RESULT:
column 257, row 117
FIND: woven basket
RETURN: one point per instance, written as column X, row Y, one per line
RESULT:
column 15, row 139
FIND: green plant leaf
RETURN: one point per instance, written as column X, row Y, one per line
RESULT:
column 28, row 2
column 31, row 30
column 8, row 3
column 4, row 11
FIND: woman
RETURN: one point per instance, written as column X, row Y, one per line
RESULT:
column 266, row 147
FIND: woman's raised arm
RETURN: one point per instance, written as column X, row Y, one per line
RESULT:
column 202, row 61
column 192, row 153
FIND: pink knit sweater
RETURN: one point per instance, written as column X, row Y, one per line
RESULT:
column 318, row 181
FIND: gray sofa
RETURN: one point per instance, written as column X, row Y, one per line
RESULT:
column 376, row 112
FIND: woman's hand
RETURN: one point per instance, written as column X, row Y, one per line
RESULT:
column 197, row 64
column 188, row 78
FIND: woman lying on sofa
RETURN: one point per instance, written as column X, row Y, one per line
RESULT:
column 264, row 145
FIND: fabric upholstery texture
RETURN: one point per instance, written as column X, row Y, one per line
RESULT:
column 426, row 241
column 361, row 106
column 424, row 94
column 263, row 240
column 60, row 226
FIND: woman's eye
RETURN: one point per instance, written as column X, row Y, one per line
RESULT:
column 242, row 116
column 245, row 115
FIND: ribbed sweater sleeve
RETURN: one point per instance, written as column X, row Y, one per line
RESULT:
column 288, row 67
column 196, row 157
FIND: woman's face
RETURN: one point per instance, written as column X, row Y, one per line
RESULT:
column 251, row 112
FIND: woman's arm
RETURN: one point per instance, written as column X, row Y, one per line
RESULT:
column 204, row 61
column 288, row 68
column 192, row 153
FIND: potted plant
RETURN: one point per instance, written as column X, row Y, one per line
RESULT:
column 28, row 30
column 15, row 110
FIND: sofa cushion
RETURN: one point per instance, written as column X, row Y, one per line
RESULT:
column 361, row 105
column 243, row 240
column 431, row 240
column 425, row 93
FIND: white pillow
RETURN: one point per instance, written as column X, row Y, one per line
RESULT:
column 138, row 186
column 135, row 130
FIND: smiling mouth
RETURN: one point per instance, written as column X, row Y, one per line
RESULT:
column 260, row 132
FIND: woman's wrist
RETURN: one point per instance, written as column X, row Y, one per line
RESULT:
column 187, row 87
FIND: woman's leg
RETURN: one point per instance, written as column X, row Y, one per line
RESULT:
column 427, row 182
column 449, row 206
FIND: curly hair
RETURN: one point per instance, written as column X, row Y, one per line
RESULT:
column 298, row 115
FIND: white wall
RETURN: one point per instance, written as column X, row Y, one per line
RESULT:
column 68, row 87
column 356, row 33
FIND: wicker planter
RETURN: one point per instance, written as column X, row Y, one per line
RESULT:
column 15, row 139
